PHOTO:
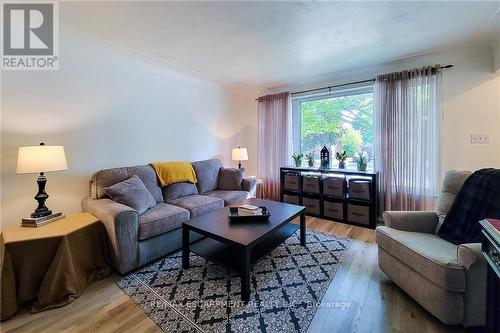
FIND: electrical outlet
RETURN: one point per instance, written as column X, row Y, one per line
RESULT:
column 480, row 138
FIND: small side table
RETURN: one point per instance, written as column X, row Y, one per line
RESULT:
column 259, row 189
column 52, row 264
column 491, row 251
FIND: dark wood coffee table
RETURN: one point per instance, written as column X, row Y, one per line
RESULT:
column 239, row 245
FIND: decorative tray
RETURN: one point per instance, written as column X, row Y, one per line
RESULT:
column 235, row 217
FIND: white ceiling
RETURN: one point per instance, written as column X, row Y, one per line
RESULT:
column 269, row 43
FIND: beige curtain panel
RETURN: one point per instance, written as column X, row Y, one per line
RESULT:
column 407, row 111
column 274, row 140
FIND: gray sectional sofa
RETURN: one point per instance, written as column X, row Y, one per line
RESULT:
column 136, row 240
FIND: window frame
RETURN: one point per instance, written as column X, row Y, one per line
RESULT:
column 297, row 100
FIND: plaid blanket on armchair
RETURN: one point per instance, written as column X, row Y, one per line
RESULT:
column 479, row 198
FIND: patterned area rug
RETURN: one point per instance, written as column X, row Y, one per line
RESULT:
column 287, row 286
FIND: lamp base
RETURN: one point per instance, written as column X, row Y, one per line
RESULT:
column 41, row 196
column 41, row 213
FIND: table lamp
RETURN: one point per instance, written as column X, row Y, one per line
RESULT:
column 239, row 154
column 41, row 159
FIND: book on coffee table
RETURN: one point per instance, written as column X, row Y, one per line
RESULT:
column 250, row 209
column 248, row 214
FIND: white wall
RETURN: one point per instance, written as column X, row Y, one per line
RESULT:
column 110, row 107
column 471, row 101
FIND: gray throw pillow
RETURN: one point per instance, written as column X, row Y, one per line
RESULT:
column 178, row 190
column 207, row 173
column 230, row 179
column 133, row 193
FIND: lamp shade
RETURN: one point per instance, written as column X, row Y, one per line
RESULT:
column 239, row 154
column 34, row 159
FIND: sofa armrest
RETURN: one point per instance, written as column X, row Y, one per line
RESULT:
column 122, row 225
column 412, row 221
column 249, row 184
column 472, row 259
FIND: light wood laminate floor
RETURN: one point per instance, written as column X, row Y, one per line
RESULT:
column 362, row 299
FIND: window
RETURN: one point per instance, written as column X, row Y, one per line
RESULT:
column 340, row 120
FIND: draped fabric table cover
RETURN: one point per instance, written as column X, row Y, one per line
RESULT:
column 259, row 189
column 52, row 264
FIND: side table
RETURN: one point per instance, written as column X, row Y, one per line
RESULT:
column 52, row 264
column 491, row 251
column 259, row 189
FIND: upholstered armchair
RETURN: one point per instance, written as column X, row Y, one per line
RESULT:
column 447, row 280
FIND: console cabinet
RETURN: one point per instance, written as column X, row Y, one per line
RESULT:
column 340, row 195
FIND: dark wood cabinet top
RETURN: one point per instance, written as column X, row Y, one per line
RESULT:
column 330, row 170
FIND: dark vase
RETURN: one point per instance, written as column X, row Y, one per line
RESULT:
column 311, row 163
column 341, row 165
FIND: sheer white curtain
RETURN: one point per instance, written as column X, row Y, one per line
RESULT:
column 407, row 112
column 274, row 140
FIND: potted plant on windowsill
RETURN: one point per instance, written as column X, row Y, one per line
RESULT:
column 361, row 159
column 341, row 157
column 298, row 159
column 310, row 159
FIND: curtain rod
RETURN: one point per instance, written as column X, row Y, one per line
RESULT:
column 330, row 87
column 343, row 84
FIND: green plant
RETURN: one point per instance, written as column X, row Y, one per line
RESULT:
column 297, row 157
column 361, row 158
column 310, row 156
column 341, row 156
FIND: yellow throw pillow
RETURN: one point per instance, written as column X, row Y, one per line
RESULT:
column 174, row 172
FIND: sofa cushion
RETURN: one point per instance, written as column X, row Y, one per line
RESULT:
column 229, row 197
column 207, row 173
column 452, row 183
column 132, row 193
column 178, row 190
column 105, row 178
column 160, row 219
column 198, row 204
column 230, row 179
column 427, row 254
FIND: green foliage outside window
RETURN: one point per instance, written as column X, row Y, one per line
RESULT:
column 345, row 122
column 351, row 141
